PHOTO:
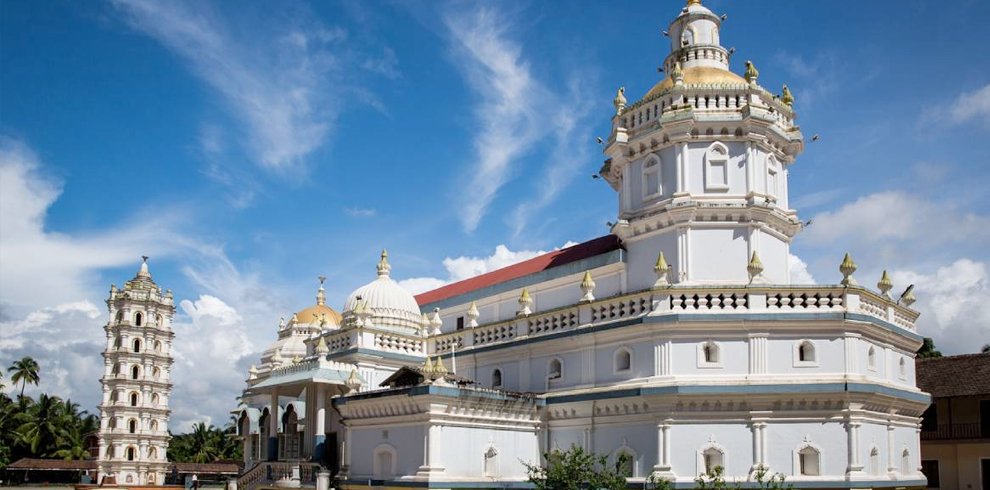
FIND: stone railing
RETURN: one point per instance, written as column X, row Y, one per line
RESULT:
column 399, row 343
column 682, row 300
column 281, row 474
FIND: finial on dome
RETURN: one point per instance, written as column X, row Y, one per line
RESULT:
column 787, row 97
column 143, row 271
column 693, row 2
column 383, row 267
column 321, row 295
column 751, row 73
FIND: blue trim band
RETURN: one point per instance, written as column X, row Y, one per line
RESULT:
column 449, row 391
column 364, row 483
column 743, row 390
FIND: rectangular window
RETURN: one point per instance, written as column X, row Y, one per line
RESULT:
column 930, row 469
column 460, row 323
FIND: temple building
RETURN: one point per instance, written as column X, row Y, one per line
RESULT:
column 133, row 436
column 676, row 340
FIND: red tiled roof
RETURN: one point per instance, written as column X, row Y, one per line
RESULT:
column 963, row 375
column 543, row 262
column 52, row 464
column 207, row 468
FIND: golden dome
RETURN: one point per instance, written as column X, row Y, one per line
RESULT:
column 313, row 314
column 698, row 75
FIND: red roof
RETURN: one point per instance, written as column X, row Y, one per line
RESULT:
column 543, row 262
column 965, row 375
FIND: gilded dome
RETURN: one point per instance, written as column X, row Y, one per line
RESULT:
column 313, row 314
column 698, row 75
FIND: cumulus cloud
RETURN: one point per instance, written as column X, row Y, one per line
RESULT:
column 799, row 270
column 515, row 111
column 215, row 335
column 954, row 306
column 464, row 267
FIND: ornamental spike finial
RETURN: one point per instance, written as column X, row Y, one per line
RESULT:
column 143, row 271
column 472, row 315
column 436, row 322
column 662, row 271
column 321, row 346
column 524, row 303
column 885, row 284
column 439, row 367
column 321, row 295
column 755, row 268
column 847, row 267
column 693, row 2
column 751, row 73
column 787, row 97
column 677, row 74
column 383, row 266
column 353, row 381
column 588, row 288
column 907, row 297
column 620, row 100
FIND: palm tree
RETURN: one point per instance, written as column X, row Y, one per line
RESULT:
column 42, row 426
column 25, row 371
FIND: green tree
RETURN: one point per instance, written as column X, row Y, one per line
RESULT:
column 25, row 371
column 984, row 350
column 928, row 350
column 767, row 481
column 205, row 444
column 713, row 479
column 576, row 469
column 41, row 427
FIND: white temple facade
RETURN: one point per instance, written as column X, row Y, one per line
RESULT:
column 677, row 339
column 136, row 383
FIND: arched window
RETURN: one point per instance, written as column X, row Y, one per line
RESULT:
column 120, row 316
column 137, row 319
column 132, row 426
column 152, row 455
column 717, row 167
column 131, row 453
column 875, row 461
column 383, row 465
column 715, row 36
column 555, row 369
column 156, row 373
column 902, row 368
column 808, row 461
column 497, row 378
column 709, row 354
column 154, row 399
column 490, row 465
column 135, row 372
column 116, row 368
column 806, row 352
column 651, row 177
column 687, row 38
column 623, row 360
column 117, row 342
column 713, row 458
column 906, row 462
column 871, row 358
column 137, row 345
column 134, row 399
column 153, row 426
column 158, row 346
column 625, row 462
column 112, row 423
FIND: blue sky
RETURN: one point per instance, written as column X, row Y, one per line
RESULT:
column 250, row 147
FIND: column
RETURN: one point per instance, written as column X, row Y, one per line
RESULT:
column 663, row 448
column 320, row 427
column 273, row 420
column 852, row 429
column 891, row 462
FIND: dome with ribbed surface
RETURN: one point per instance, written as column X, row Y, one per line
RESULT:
column 383, row 302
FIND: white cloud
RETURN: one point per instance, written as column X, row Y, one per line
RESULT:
column 40, row 268
column 215, row 336
column 515, row 112
column 799, row 271
column 896, row 227
column 356, row 212
column 954, row 302
column 972, row 106
column 275, row 78
column 464, row 267
column 387, row 65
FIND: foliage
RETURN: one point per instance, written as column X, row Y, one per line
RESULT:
column 713, row 480
column 44, row 428
column 25, row 371
column 928, row 350
column 774, row 482
column 657, row 482
column 205, row 444
column 576, row 469
column 985, row 349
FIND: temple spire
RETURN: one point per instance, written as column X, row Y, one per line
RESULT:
column 143, row 271
column 383, row 266
column 321, row 295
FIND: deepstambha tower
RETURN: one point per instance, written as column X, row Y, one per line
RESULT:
column 138, row 361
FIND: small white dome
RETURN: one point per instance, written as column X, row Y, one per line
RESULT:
column 384, row 301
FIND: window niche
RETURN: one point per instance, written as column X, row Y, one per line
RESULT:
column 652, row 187
column 497, row 378
column 709, row 355
column 805, row 354
column 622, row 363
column 717, row 167
column 555, row 369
